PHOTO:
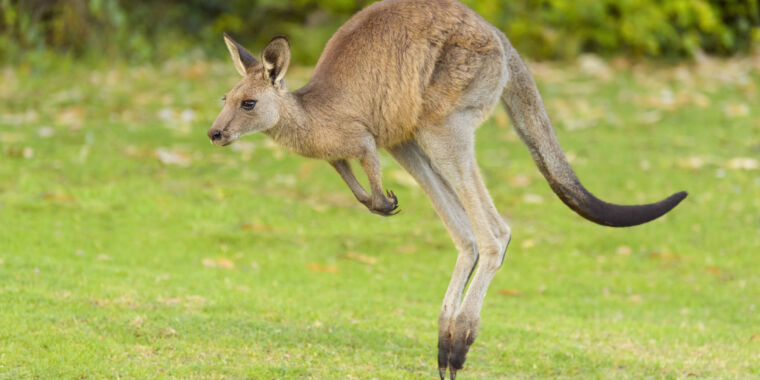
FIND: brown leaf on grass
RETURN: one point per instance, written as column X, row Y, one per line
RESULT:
column 369, row 260
column 649, row 117
column 323, row 268
column 255, row 227
column 714, row 270
column 664, row 256
column 73, row 118
column 173, row 157
column 9, row 138
column 735, row 110
column 406, row 249
column 209, row 263
column 533, row 198
column 138, row 152
column 635, row 299
column 755, row 338
column 624, row 250
column 45, row 132
column 167, row 332
column 225, row 263
column 218, row 263
column 58, row 196
column 693, row 162
column 527, row 244
column 137, row 322
column 510, row 292
column 743, row 163
column 519, row 180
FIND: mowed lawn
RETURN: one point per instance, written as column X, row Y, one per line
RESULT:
column 132, row 248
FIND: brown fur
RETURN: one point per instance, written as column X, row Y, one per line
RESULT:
column 416, row 77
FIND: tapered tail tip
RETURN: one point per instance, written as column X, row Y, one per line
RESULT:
column 678, row 197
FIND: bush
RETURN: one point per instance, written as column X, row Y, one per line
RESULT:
column 546, row 29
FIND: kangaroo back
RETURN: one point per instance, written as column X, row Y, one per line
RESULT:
column 526, row 110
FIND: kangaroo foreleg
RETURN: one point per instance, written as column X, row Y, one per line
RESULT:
column 343, row 167
column 381, row 203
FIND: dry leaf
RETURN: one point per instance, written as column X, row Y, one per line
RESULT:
column 225, row 263
column 209, row 263
column 693, row 162
column 519, row 180
column 58, row 197
column 255, row 227
column 533, row 198
column 735, row 110
column 510, row 292
column 624, row 250
column 168, row 332
column 8, row 137
column 666, row 256
column 322, row 268
column 137, row 322
column 743, row 163
column 407, row 249
column 527, row 244
column 72, row 118
column 45, row 132
column 361, row 258
column 755, row 338
column 635, row 299
column 173, row 157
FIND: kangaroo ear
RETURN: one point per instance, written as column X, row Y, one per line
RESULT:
column 241, row 57
column 276, row 58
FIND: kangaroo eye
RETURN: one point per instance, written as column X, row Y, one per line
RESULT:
column 247, row 104
column 224, row 98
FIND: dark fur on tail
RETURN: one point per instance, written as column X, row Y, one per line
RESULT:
column 526, row 109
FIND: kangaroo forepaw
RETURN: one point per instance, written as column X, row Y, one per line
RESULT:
column 388, row 205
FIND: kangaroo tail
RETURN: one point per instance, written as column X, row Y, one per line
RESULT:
column 526, row 110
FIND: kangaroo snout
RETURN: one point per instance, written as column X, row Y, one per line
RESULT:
column 219, row 137
column 215, row 134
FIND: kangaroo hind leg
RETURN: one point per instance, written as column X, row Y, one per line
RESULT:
column 449, row 208
column 450, row 147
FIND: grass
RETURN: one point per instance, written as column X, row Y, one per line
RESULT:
column 131, row 248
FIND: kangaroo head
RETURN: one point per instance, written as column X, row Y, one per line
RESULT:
column 254, row 104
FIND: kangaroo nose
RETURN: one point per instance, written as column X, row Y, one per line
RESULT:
column 215, row 135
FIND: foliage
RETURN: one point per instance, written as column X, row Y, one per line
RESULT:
column 132, row 248
column 563, row 28
column 542, row 29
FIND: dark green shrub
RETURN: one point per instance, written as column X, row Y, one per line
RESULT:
column 542, row 29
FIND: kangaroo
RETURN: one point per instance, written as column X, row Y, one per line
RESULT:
column 417, row 77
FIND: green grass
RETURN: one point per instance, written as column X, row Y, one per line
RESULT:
column 250, row 262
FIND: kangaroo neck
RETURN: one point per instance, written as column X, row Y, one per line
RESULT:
column 296, row 128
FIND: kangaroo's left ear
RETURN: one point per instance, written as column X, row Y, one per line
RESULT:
column 276, row 58
column 241, row 57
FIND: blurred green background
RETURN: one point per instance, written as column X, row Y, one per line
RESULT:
column 546, row 29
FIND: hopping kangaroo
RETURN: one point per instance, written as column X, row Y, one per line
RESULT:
column 417, row 77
